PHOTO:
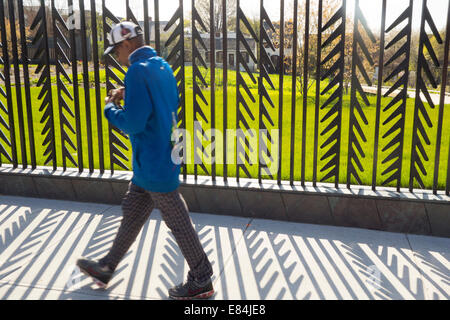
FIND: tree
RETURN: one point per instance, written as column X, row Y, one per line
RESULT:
column 9, row 41
column 203, row 8
column 254, row 23
column 289, row 47
column 329, row 8
column 439, row 50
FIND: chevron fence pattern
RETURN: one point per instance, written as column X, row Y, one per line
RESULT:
column 397, row 106
column 6, row 143
column 423, row 123
column 175, row 45
column 244, row 148
column 62, row 125
column 356, row 127
column 266, row 105
column 45, row 82
column 64, row 110
column 333, row 143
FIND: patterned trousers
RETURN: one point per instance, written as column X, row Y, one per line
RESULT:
column 137, row 205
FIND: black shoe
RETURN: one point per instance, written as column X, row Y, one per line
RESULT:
column 100, row 274
column 192, row 290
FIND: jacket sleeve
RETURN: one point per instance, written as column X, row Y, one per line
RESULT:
column 132, row 119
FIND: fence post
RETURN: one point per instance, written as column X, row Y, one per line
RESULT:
column 26, row 76
column 441, row 103
column 378, row 107
column 15, row 53
column 9, row 110
column 418, row 126
column 98, row 102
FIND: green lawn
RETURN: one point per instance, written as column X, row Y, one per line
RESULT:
column 369, row 131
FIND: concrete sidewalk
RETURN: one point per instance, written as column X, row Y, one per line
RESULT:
column 40, row 241
column 435, row 97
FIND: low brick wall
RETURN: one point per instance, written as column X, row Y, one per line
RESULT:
column 420, row 212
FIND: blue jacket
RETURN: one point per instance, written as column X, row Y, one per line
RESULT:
column 151, row 102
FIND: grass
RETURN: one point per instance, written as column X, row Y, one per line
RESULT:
column 286, row 125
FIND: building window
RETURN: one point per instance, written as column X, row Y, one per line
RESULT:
column 246, row 56
column 231, row 59
column 275, row 60
column 219, row 56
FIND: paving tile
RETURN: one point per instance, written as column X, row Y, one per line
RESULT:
column 94, row 191
column 402, row 216
column 154, row 263
column 226, row 232
column 266, row 205
column 189, row 196
column 41, row 255
column 220, row 201
column 20, row 216
column 44, row 255
column 17, row 185
column 307, row 208
column 52, row 264
column 39, row 203
column 52, row 294
column 432, row 256
column 354, row 212
column 43, row 236
column 119, row 190
column 42, row 239
column 439, row 217
column 285, row 260
column 13, row 219
column 54, row 188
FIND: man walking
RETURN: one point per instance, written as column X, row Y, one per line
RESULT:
column 151, row 102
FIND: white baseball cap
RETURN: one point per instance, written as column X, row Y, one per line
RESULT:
column 125, row 30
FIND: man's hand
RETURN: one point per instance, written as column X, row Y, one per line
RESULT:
column 115, row 96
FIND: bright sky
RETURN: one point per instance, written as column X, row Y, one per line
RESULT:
column 370, row 8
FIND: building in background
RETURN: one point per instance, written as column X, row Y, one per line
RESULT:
column 231, row 50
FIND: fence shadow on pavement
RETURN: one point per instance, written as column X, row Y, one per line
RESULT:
column 252, row 258
column 311, row 262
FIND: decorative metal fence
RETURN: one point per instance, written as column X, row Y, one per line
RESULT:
column 377, row 136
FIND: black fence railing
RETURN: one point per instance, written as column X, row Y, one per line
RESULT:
column 317, row 98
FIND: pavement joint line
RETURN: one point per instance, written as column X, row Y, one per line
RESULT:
column 81, row 292
column 416, row 264
column 17, row 287
column 37, row 286
column 423, row 275
column 227, row 261
column 428, row 218
column 403, row 290
column 54, row 242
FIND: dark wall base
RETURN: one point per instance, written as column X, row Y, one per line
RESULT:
column 420, row 212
